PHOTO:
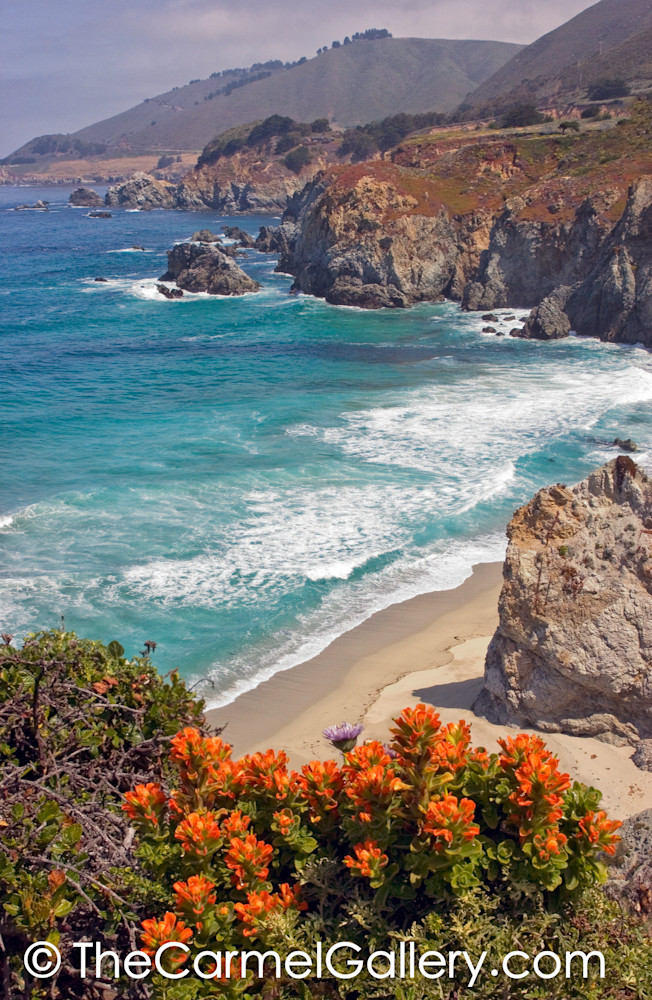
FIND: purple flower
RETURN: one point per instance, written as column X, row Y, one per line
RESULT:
column 345, row 735
column 390, row 751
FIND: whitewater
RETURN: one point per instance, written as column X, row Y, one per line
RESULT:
column 242, row 480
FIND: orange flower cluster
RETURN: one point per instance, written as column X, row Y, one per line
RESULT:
column 598, row 831
column 415, row 733
column 249, row 860
column 320, row 785
column 450, row 822
column 260, row 904
column 450, row 752
column 145, row 805
column 371, row 790
column 192, row 898
column 199, row 834
column 380, row 803
column 158, row 932
column 538, row 795
column 368, row 860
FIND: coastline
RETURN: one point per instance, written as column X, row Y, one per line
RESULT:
column 430, row 648
column 291, row 709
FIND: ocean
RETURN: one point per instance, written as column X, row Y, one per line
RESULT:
column 241, row 480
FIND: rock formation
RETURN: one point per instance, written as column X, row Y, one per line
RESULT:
column 573, row 649
column 85, row 198
column 142, row 191
column 205, row 267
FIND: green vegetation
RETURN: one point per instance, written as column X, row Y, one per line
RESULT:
column 366, row 140
column 521, row 116
column 79, row 723
column 113, row 829
column 607, row 90
column 297, row 159
column 425, row 839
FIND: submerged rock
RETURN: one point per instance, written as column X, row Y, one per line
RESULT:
column 170, row 293
column 573, row 649
column 205, row 267
column 627, row 445
column 85, row 198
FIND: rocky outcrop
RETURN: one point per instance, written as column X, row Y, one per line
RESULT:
column 205, row 267
column 527, row 259
column 615, row 299
column 142, row 191
column 85, row 198
column 242, row 238
column 573, row 649
column 368, row 243
column 548, row 321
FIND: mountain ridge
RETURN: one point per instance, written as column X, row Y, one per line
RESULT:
column 350, row 85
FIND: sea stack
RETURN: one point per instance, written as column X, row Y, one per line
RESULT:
column 573, row 649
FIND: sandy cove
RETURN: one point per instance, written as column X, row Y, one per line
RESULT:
column 429, row 649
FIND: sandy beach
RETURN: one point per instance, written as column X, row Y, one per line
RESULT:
column 428, row 649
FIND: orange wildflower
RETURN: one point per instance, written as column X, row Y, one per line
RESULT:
column 415, row 733
column 248, row 859
column 159, row 932
column 450, row 821
column 373, row 788
column 599, row 831
column 259, row 904
column 193, row 897
column 193, row 751
column 200, row 834
column 320, row 784
column 145, row 805
column 236, row 824
column 365, row 756
column 368, row 860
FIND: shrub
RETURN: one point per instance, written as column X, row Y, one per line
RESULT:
column 320, row 125
column 297, row 159
column 522, row 115
column 79, row 724
column 590, row 112
column 608, row 89
column 424, row 838
column 359, row 145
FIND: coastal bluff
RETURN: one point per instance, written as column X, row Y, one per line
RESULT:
column 573, row 649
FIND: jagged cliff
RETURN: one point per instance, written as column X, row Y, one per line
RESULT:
column 573, row 650
column 559, row 224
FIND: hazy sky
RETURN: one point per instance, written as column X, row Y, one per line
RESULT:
column 67, row 63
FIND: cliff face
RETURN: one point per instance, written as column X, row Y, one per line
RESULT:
column 558, row 224
column 370, row 236
column 573, row 650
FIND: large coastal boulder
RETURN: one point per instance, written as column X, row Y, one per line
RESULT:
column 205, row 267
column 573, row 649
column 142, row 191
column 84, row 197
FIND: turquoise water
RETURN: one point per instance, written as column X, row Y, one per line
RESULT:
column 241, row 480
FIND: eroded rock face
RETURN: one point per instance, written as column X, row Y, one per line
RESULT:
column 142, row 191
column 85, row 198
column 573, row 650
column 615, row 299
column 368, row 246
column 205, row 267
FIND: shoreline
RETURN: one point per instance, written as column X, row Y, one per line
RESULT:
column 430, row 648
column 344, row 679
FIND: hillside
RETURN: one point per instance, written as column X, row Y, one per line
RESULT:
column 572, row 55
column 350, row 85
